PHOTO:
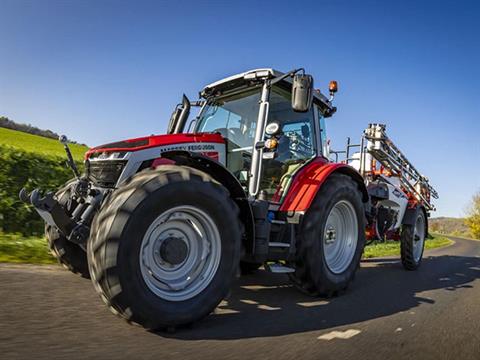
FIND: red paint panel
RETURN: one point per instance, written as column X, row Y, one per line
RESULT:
column 212, row 154
column 155, row 140
column 161, row 161
column 306, row 184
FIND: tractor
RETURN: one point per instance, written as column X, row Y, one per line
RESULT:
column 163, row 224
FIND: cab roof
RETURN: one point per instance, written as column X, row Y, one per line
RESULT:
column 254, row 78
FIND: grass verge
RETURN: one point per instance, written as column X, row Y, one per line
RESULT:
column 392, row 248
column 15, row 248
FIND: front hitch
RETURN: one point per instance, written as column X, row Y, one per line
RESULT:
column 49, row 209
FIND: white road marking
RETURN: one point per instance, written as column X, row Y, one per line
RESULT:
column 266, row 307
column 249, row 302
column 347, row 334
column 219, row 311
column 312, row 303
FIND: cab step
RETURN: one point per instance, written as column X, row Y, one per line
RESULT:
column 278, row 268
column 278, row 244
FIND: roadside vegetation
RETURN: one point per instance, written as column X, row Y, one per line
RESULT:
column 34, row 162
column 392, row 248
column 17, row 248
column 473, row 219
column 450, row 226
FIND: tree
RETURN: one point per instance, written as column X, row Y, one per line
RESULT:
column 473, row 220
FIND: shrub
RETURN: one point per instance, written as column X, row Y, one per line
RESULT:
column 26, row 169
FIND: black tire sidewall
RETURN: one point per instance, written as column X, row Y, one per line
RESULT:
column 408, row 241
column 71, row 255
column 152, row 309
column 314, row 227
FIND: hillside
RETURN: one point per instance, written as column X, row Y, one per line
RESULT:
column 38, row 144
column 451, row 226
column 29, row 129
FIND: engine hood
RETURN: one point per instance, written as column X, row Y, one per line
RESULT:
column 152, row 141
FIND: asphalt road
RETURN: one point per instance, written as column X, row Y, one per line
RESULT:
column 387, row 313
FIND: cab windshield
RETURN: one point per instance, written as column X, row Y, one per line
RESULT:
column 235, row 118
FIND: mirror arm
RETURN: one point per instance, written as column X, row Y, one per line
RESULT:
column 284, row 76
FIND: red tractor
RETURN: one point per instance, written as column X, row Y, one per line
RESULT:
column 162, row 224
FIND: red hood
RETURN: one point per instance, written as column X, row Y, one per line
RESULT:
column 155, row 140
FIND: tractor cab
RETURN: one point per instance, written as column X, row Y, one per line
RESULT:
column 271, row 123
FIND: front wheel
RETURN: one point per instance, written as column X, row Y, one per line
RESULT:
column 331, row 238
column 69, row 254
column 412, row 241
column 165, row 247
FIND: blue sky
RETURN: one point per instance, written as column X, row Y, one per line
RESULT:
column 106, row 70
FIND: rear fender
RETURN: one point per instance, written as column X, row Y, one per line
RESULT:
column 308, row 181
column 411, row 215
column 224, row 177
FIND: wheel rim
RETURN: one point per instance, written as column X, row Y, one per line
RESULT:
column 340, row 236
column 180, row 253
column 418, row 238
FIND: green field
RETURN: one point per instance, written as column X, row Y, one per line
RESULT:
column 392, row 248
column 38, row 144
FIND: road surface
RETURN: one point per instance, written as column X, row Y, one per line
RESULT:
column 388, row 313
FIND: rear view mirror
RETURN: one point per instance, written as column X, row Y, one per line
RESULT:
column 302, row 93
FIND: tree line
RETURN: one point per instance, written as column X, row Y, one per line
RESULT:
column 473, row 219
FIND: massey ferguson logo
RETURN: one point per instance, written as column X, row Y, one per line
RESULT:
column 192, row 147
column 205, row 149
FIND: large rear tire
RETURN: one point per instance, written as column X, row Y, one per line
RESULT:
column 331, row 239
column 69, row 254
column 412, row 241
column 165, row 247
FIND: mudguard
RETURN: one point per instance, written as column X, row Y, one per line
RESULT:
column 221, row 174
column 309, row 180
column 411, row 215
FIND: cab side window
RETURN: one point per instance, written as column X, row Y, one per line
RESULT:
column 296, row 144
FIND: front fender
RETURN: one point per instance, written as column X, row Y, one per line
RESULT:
column 308, row 181
column 221, row 174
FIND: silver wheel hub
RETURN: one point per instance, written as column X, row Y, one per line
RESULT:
column 340, row 236
column 180, row 253
column 330, row 235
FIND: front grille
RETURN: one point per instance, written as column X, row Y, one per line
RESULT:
column 105, row 173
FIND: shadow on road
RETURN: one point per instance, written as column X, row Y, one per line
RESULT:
column 265, row 304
